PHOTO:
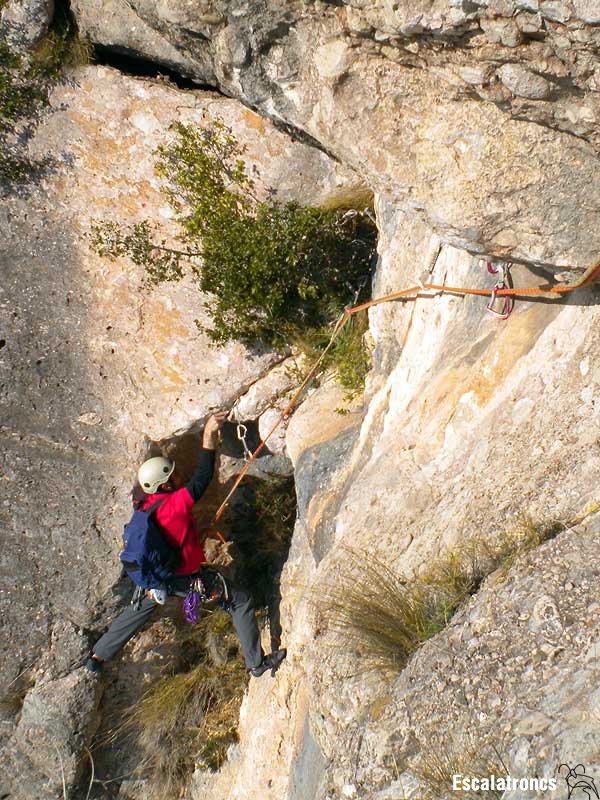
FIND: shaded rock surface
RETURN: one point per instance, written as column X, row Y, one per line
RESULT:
column 58, row 718
column 94, row 370
column 24, row 22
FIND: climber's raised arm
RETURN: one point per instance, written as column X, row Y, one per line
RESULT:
column 202, row 476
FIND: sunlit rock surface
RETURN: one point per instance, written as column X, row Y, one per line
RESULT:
column 472, row 427
column 476, row 124
column 482, row 118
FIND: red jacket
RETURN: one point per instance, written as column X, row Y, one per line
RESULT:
column 179, row 527
column 175, row 514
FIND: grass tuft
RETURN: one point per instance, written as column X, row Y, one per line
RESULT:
column 350, row 198
column 350, row 356
column 386, row 617
column 189, row 719
column 440, row 761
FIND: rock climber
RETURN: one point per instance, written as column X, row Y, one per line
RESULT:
column 159, row 480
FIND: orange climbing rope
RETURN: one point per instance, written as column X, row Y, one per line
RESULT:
column 588, row 277
column 285, row 413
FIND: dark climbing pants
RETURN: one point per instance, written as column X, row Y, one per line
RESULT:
column 129, row 622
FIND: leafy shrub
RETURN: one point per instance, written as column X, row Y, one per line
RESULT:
column 350, row 357
column 271, row 270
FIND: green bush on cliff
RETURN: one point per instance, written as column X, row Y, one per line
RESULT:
column 272, row 271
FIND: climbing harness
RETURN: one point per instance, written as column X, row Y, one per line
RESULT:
column 508, row 303
column 199, row 594
column 499, row 291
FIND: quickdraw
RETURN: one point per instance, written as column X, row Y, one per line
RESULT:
column 508, row 303
column 199, row 594
column 588, row 277
column 241, row 431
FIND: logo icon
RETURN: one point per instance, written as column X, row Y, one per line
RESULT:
column 577, row 780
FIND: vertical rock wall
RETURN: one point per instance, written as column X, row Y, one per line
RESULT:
column 93, row 370
column 477, row 125
column 481, row 118
column 472, row 425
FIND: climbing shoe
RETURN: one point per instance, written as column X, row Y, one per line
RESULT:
column 272, row 661
column 93, row 665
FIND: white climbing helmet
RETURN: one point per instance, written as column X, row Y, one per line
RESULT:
column 154, row 472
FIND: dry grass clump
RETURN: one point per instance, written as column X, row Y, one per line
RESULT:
column 383, row 615
column 386, row 617
column 189, row 719
column 440, row 761
column 350, row 198
column 523, row 538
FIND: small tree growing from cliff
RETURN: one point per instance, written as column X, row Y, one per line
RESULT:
column 272, row 271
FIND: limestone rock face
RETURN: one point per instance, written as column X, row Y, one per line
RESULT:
column 482, row 118
column 522, row 629
column 24, row 22
column 476, row 124
column 94, row 369
column 524, row 83
column 267, row 391
column 114, row 23
column 57, row 719
column 459, row 438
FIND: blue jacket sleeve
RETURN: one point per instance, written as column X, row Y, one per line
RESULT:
column 203, row 474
